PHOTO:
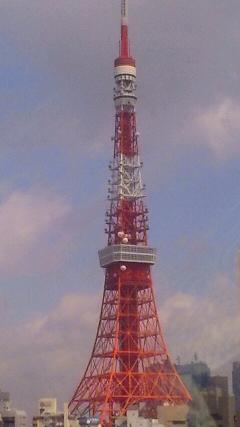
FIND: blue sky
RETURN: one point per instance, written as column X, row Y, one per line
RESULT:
column 56, row 121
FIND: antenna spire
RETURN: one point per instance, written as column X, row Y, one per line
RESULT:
column 124, row 51
column 124, row 11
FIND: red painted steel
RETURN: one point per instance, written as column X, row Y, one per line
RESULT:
column 130, row 362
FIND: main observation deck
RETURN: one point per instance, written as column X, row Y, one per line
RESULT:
column 126, row 253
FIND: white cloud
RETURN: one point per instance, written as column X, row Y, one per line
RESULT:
column 30, row 225
column 49, row 352
column 218, row 128
column 207, row 325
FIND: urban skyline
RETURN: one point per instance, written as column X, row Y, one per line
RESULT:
column 213, row 403
column 51, row 96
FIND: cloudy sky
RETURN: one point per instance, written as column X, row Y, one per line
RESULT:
column 56, row 121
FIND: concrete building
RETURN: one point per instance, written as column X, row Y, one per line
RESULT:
column 173, row 415
column 168, row 416
column 133, row 419
column 49, row 416
column 196, row 372
column 236, row 384
column 217, row 398
column 10, row 417
column 47, row 406
column 237, row 420
column 212, row 404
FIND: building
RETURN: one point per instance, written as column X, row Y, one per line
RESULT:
column 173, row 415
column 47, row 406
column 237, row 420
column 197, row 372
column 168, row 416
column 236, row 384
column 212, row 404
column 236, row 391
column 133, row 419
column 49, row 416
column 218, row 400
column 10, row 417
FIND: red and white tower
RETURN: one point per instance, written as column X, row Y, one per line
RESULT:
column 130, row 362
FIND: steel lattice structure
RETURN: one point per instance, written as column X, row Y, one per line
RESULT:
column 130, row 362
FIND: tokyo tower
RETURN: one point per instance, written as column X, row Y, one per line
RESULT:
column 130, row 362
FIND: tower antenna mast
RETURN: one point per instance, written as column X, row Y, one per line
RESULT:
column 124, row 12
column 124, row 44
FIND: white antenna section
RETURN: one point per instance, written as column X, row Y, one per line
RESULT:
column 124, row 11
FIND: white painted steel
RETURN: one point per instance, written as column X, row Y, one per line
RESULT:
column 124, row 11
column 126, row 179
column 127, row 253
column 125, row 87
column 125, row 69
